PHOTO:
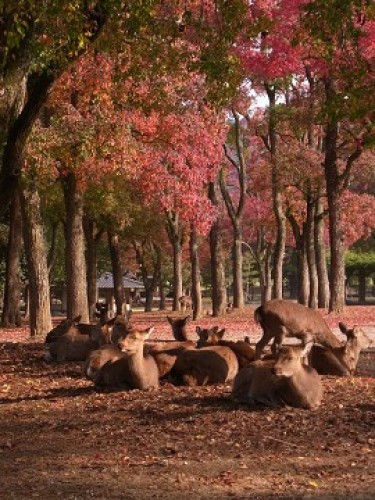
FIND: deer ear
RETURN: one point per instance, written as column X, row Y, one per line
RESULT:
column 149, row 331
column 187, row 319
column 343, row 328
column 306, row 348
column 220, row 333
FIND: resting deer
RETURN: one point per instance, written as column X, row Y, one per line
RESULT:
column 97, row 359
column 205, row 366
column 284, row 382
column 213, row 336
column 179, row 327
column 343, row 360
column 71, row 346
column 281, row 318
column 186, row 303
column 143, row 370
column 66, row 342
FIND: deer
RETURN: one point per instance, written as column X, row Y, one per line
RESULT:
column 284, row 382
column 186, row 303
column 97, row 359
column 66, row 342
column 205, row 366
column 70, row 346
column 341, row 361
column 179, row 327
column 214, row 336
column 142, row 369
column 281, row 318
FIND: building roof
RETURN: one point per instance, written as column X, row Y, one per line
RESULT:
column 106, row 281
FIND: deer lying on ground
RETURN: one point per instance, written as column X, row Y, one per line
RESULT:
column 281, row 318
column 126, row 365
column 98, row 358
column 186, row 303
column 343, row 360
column 205, row 366
column 284, row 382
column 71, row 346
column 179, row 327
column 66, row 342
column 143, row 370
column 213, row 336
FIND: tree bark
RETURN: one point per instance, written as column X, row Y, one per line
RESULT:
column 117, row 272
column 320, row 253
column 236, row 213
column 17, row 136
column 218, row 286
column 175, row 237
column 310, row 250
column 279, row 251
column 196, row 293
column 11, row 315
column 76, row 284
column 36, row 258
column 92, row 238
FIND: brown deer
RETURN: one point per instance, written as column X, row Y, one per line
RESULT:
column 142, row 367
column 284, row 382
column 281, row 318
column 71, row 346
column 186, row 303
column 97, row 359
column 205, row 366
column 213, row 336
column 179, row 327
column 343, row 360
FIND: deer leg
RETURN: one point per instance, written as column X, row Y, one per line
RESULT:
column 277, row 343
column 261, row 344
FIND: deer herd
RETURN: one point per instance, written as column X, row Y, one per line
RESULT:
column 117, row 353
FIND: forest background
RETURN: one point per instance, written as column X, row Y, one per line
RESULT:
column 194, row 143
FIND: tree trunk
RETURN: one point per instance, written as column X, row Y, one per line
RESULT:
column 17, row 136
column 76, row 284
column 310, row 250
column 162, row 302
column 362, row 288
column 279, row 251
column 36, row 258
column 303, row 277
column 196, row 293
column 320, row 253
column 11, row 315
column 175, row 237
column 117, row 272
column 336, row 235
column 92, row 239
column 237, row 263
column 218, row 286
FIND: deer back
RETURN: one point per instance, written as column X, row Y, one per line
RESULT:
column 205, row 366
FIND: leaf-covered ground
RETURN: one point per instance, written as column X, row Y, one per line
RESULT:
column 60, row 437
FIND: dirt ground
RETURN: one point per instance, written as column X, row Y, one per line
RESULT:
column 60, row 437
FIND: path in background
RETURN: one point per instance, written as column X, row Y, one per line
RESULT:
column 238, row 324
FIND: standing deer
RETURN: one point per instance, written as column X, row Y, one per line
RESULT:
column 343, row 360
column 186, row 303
column 284, row 382
column 281, row 318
